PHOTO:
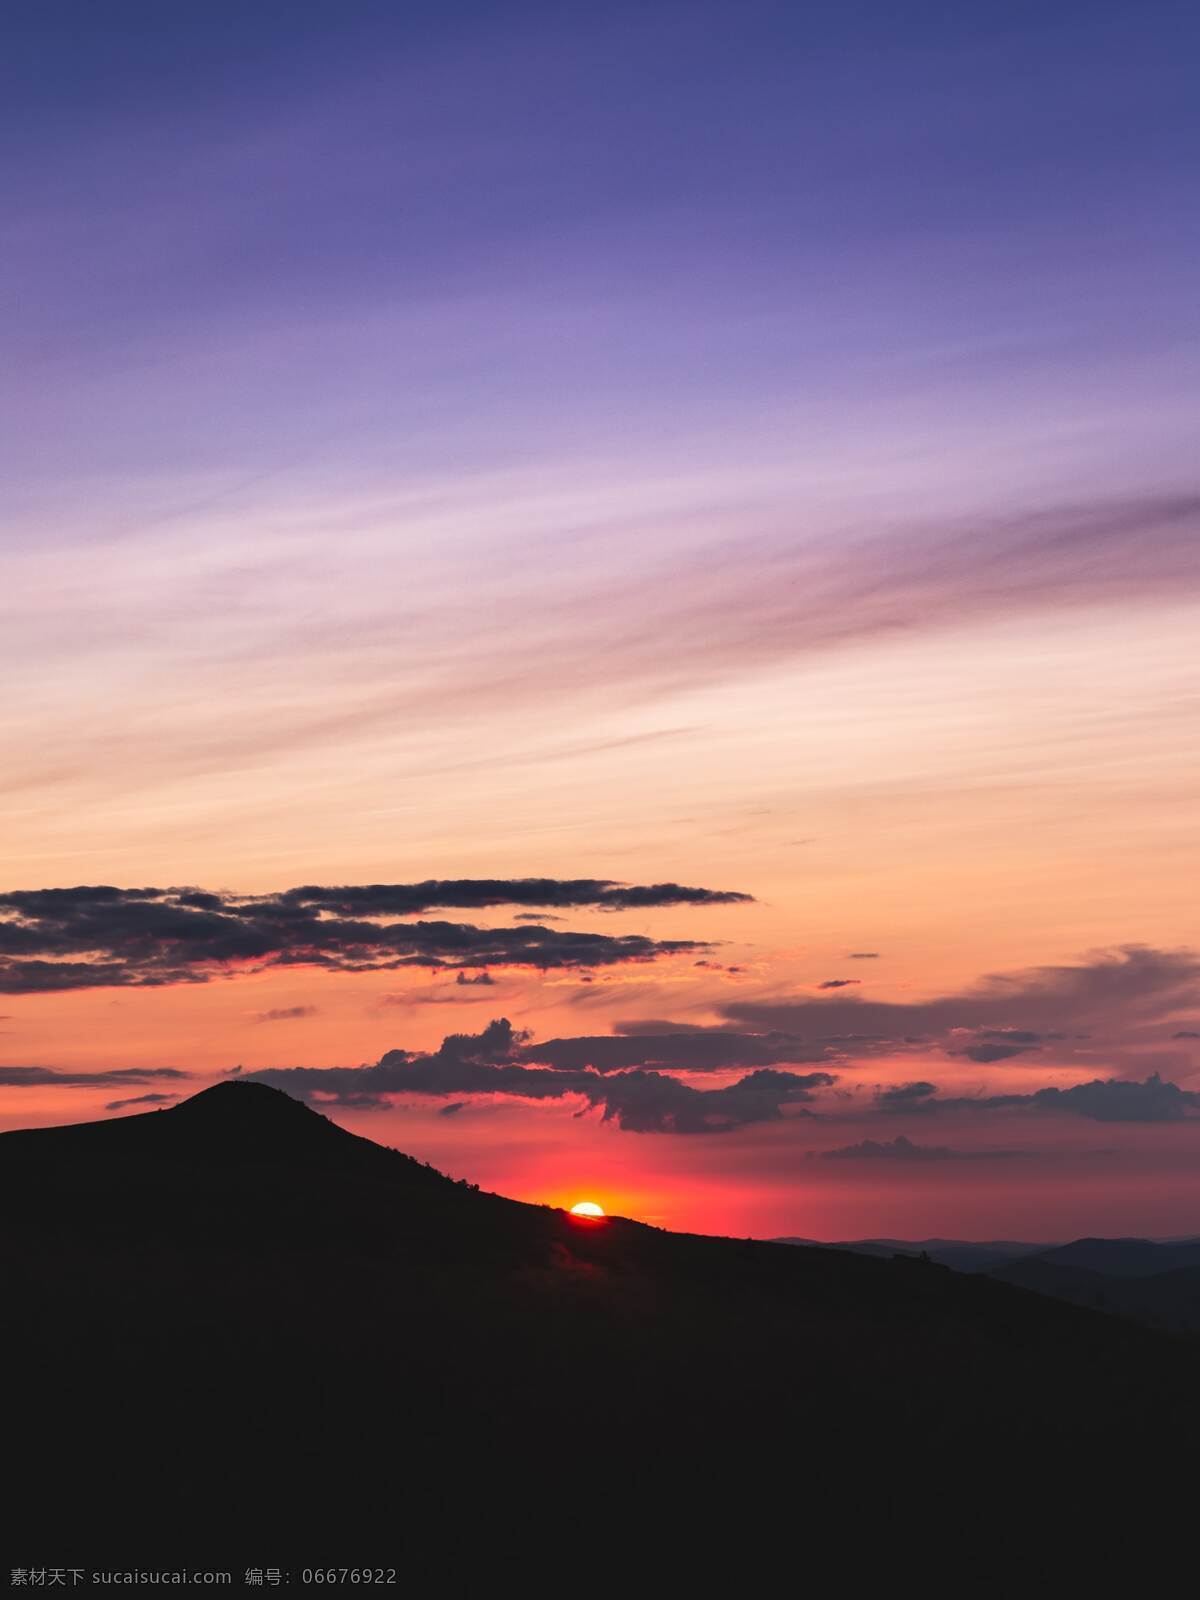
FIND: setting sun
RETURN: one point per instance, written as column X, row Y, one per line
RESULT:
column 587, row 1208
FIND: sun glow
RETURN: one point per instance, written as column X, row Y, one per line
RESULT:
column 587, row 1208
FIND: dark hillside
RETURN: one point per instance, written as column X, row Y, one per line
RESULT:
column 242, row 1290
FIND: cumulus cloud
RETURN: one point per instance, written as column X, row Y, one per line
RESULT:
column 655, row 1102
column 102, row 936
column 495, row 1062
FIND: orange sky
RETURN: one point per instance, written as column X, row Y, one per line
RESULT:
column 961, row 802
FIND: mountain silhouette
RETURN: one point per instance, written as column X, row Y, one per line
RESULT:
column 271, row 1303
column 964, row 1255
column 1134, row 1278
column 232, row 1127
column 1125, row 1258
column 1155, row 1281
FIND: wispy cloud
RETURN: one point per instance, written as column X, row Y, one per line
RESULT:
column 141, row 1100
column 39, row 1077
column 1109, row 1000
column 902, row 1149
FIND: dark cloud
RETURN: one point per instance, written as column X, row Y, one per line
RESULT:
column 1113, row 994
column 655, row 1102
column 905, row 1096
column 1120, row 1100
column 692, row 1050
column 1001, row 1044
column 101, row 936
column 1153, row 1099
column 839, row 983
column 902, row 1149
column 286, row 1014
column 987, row 1052
column 141, row 1100
column 639, row 1100
column 481, row 979
column 36, row 1077
column 863, row 955
column 1186, row 1033
column 405, row 899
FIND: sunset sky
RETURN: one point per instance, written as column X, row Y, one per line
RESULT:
column 656, row 544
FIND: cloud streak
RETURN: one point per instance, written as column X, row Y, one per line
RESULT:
column 902, row 1149
column 1133, row 992
column 39, row 1077
column 141, row 1100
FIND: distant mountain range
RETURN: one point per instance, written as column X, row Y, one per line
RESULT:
column 236, row 1297
column 1155, row 1281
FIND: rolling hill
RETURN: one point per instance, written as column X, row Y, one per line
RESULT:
column 1155, row 1281
column 964, row 1255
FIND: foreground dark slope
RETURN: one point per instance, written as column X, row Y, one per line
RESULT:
column 244, row 1289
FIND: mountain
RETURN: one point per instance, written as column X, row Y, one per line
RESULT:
column 1125, row 1258
column 963, row 1255
column 1168, row 1299
column 237, row 1297
column 1118, row 1258
column 1155, row 1281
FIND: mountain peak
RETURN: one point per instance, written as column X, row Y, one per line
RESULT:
column 233, row 1100
column 230, row 1125
column 253, row 1122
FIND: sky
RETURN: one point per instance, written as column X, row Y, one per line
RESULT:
column 610, row 595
